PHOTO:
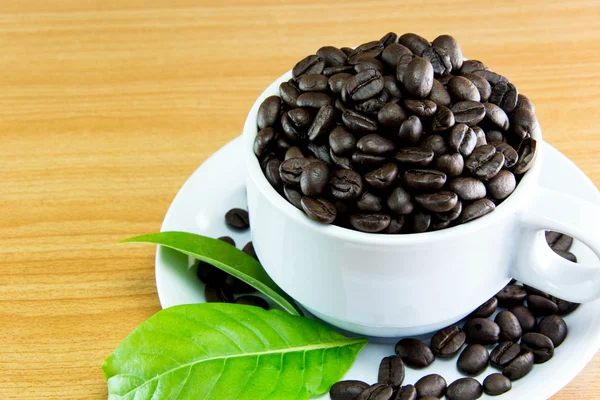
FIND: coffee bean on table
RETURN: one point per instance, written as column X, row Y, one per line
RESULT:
column 249, row 249
column 482, row 331
column 555, row 328
column 510, row 328
column 485, row 310
column 433, row 385
column 496, row 384
column 473, row 360
column 511, row 295
column 501, row 185
column 468, row 188
column 541, row 306
column 476, row 209
column 448, row 341
column 410, row 130
column 504, row 353
column 319, row 210
column 414, row 353
column 407, row 392
column 237, row 218
column 450, row 164
column 347, row 390
column 558, row 241
column 383, row 177
column 464, row 389
column 217, row 295
column 526, row 318
column 391, row 371
column 519, row 367
column 370, row 222
column 253, row 301
column 376, row 392
column 540, row 345
column 468, row 112
column 418, row 77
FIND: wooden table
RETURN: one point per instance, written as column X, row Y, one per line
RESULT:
column 106, row 107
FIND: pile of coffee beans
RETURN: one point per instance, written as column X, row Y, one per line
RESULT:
column 221, row 286
column 523, row 334
column 398, row 135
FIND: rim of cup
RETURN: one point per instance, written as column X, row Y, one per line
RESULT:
column 508, row 207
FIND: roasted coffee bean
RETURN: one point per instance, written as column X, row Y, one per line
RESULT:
column 290, row 131
column 439, row 94
column 321, row 152
column 432, row 385
column 486, row 309
column 391, row 371
column 370, row 107
column 363, row 86
column 217, row 295
column 481, row 139
column 443, row 119
column 332, row 56
column 301, row 118
column 526, row 318
column 510, row 328
column 291, row 169
column 272, row 173
column 483, row 86
column 435, row 143
column 567, row 255
column 369, row 63
column 368, row 202
column 462, row 139
column 511, row 295
column 438, row 225
column 477, row 209
column 485, row 162
column 452, row 48
column 468, row 188
column 364, row 159
column 391, row 115
column 451, row 215
column 494, row 136
column 336, row 82
column 293, row 195
column 439, row 59
column 339, row 105
column 524, row 123
column 462, row 89
column 401, row 66
column 323, row 122
column 473, row 360
column 249, row 249
column 228, row 240
column 330, row 71
column 268, row 112
column 504, row 94
column 482, row 331
column 437, row 202
column 411, row 130
column 464, row 389
column 237, row 218
column 407, row 392
column 496, row 384
column 422, row 108
column 369, row 49
column 392, row 53
column 558, row 241
column 289, row 94
column 450, row 164
column 510, row 154
column 424, row 179
column 414, row 42
column 541, row 306
column 320, row 210
column 504, row 353
column 346, row 184
column 339, row 161
column 341, row 141
column 312, row 83
column 414, row 353
column 524, row 102
column 414, row 156
column 540, row 345
column 210, row 275
column 391, row 86
column 310, row 65
column 313, row 100
column 555, row 328
column 399, row 201
column 253, row 301
column 527, row 153
column 497, row 116
column 375, row 144
column 347, row 50
column 378, row 391
column 448, row 341
column 490, row 76
column 357, row 122
column 468, row 112
column 281, row 145
column 418, row 77
column 396, row 224
column 420, row 222
column 314, row 178
column 470, row 66
column 565, row 307
column 264, row 138
column 389, row 38
column 531, row 290
column 347, row 390
column 383, row 177
column 370, row 222
column 519, row 367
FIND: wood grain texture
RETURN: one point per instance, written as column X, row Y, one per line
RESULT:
column 106, row 107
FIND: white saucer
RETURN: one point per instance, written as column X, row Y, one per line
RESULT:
column 218, row 185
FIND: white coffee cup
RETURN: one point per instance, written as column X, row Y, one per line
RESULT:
column 397, row 285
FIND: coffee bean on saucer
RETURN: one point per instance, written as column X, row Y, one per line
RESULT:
column 555, row 328
column 531, row 290
column 347, row 390
column 464, row 389
column 217, row 295
column 482, row 331
column 526, row 318
column 237, row 218
column 496, row 384
column 391, row 371
column 253, row 301
column 249, row 249
column 431, row 385
column 378, row 391
column 541, row 306
column 406, row 392
column 485, row 310
column 319, row 209
column 564, row 307
column 504, row 353
column 414, row 353
column 473, row 360
column 237, row 286
column 558, row 241
column 540, row 345
column 510, row 328
column 448, row 341
column 519, row 367
column 511, row 295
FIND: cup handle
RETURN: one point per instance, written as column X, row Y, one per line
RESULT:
column 537, row 265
